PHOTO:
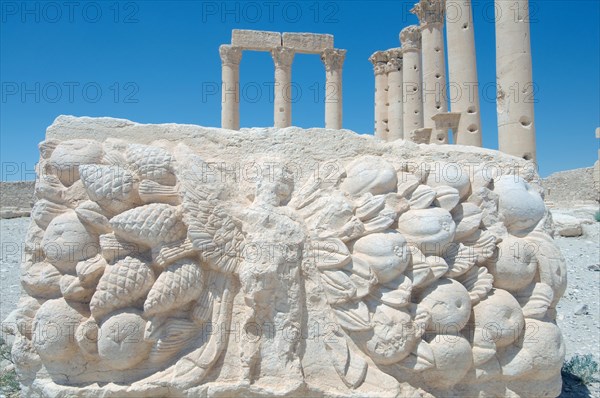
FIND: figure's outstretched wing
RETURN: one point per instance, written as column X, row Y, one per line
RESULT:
column 211, row 228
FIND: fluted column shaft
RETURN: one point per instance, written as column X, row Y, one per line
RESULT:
column 431, row 17
column 516, row 129
column 230, row 86
column 462, row 71
column 395, row 108
column 283, row 58
column 334, row 61
column 410, row 38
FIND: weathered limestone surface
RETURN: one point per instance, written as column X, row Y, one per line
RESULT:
column 333, row 59
column 230, row 90
column 283, row 58
column 462, row 71
column 379, row 59
column 178, row 260
column 567, row 225
column 515, row 93
column 258, row 40
column 410, row 38
column 16, row 198
column 431, row 18
column 308, row 43
column 395, row 95
column 571, row 186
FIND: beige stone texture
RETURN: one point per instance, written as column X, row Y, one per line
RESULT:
column 515, row 85
column 567, row 225
column 257, row 40
column 307, row 43
column 230, row 87
column 379, row 60
column 368, row 269
column 395, row 94
column 431, row 18
column 333, row 59
column 283, row 58
column 569, row 187
column 462, row 71
column 410, row 38
column 444, row 122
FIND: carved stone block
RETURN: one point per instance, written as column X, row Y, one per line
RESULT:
column 258, row 40
column 309, row 43
column 178, row 260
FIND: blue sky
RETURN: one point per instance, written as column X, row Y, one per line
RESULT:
column 158, row 62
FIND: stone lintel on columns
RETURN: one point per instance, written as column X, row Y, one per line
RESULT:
column 258, row 40
column 230, row 55
column 283, row 56
column 379, row 59
column 307, row 43
column 410, row 38
column 430, row 12
column 333, row 58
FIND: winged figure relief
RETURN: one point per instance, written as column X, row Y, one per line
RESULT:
column 411, row 266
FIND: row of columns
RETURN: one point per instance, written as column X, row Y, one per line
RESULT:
column 398, row 100
column 283, row 57
column 416, row 73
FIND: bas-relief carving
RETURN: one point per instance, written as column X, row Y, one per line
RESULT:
column 146, row 267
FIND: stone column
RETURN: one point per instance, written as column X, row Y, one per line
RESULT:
column 514, row 102
column 395, row 108
column 431, row 17
column 462, row 71
column 230, row 86
column 379, row 60
column 333, row 60
column 410, row 38
column 283, row 57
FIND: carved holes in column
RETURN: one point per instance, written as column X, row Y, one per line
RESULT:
column 437, row 49
column 472, row 129
column 465, row 26
column 471, row 110
column 437, row 75
column 527, row 156
column 525, row 122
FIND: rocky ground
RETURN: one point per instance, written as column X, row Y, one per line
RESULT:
column 578, row 311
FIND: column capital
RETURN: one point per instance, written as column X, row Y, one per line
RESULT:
column 394, row 60
column 283, row 56
column 379, row 60
column 410, row 38
column 430, row 12
column 333, row 58
column 230, row 55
